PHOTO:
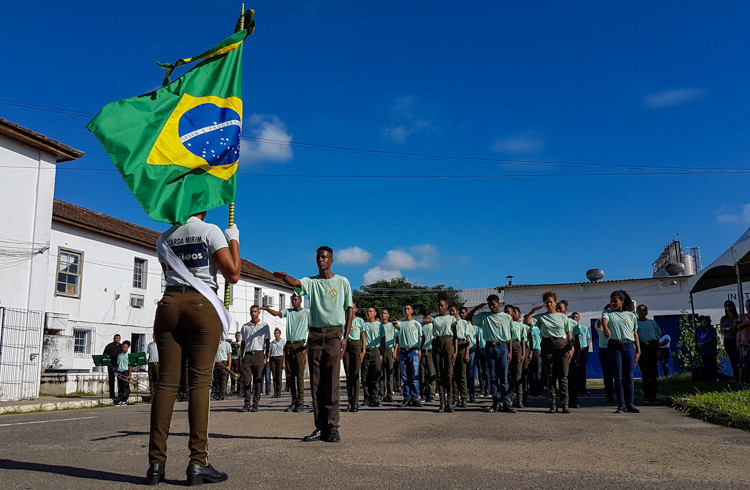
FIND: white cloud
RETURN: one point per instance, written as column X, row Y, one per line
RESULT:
column 525, row 143
column 377, row 273
column 353, row 255
column 270, row 142
column 423, row 256
column 405, row 121
column 736, row 218
column 669, row 98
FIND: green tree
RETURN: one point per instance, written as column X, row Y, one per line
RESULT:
column 395, row 293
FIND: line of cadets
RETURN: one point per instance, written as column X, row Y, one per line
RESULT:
column 456, row 349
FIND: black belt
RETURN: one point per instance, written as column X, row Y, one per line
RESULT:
column 443, row 337
column 183, row 289
column 373, row 348
column 295, row 342
column 276, row 356
column 410, row 350
column 325, row 329
column 427, row 350
column 357, row 341
column 253, row 352
column 621, row 341
column 494, row 344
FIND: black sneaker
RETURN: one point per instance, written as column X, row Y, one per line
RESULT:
column 245, row 408
column 449, row 408
column 491, row 409
column 620, row 409
column 299, row 407
column 441, row 408
column 416, row 403
column 291, row 407
column 565, row 409
column 552, row 409
column 632, row 409
column 254, row 408
column 404, row 403
column 355, row 408
column 575, row 405
column 508, row 409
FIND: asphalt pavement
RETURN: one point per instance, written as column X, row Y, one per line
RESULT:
column 385, row 447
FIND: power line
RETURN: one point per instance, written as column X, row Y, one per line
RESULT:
column 664, row 170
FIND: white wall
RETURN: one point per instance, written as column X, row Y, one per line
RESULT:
column 243, row 298
column 27, row 182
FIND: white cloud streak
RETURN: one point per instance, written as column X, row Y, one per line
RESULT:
column 353, row 255
column 423, row 256
column 526, row 143
column 273, row 143
column 378, row 273
column 405, row 121
column 670, row 98
column 744, row 217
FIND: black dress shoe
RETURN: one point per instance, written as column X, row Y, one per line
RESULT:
column 404, row 403
column 291, row 407
column 441, row 408
column 565, row 409
column 575, row 405
column 632, row 409
column 355, row 408
column 492, row 409
column 552, row 409
column 416, row 403
column 333, row 436
column 316, row 435
column 508, row 409
column 197, row 475
column 620, row 409
column 245, row 408
column 449, row 408
column 155, row 474
column 298, row 407
column 254, row 407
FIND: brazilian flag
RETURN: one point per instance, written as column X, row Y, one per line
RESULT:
column 178, row 147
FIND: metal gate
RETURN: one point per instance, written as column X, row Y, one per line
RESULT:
column 20, row 353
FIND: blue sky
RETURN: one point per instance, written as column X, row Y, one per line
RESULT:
column 623, row 84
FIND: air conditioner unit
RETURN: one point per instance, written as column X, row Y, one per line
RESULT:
column 267, row 300
column 136, row 300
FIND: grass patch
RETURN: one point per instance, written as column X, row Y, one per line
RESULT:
column 77, row 394
column 724, row 403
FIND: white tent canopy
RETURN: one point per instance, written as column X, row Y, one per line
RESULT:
column 732, row 267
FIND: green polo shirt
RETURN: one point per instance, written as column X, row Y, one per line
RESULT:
column 427, row 334
column 583, row 334
column 471, row 331
column 553, row 324
column 329, row 300
column 374, row 331
column 536, row 338
column 621, row 324
column 517, row 331
column 495, row 326
column 356, row 330
column 480, row 337
column 443, row 325
column 409, row 334
column 296, row 324
column 648, row 331
column 461, row 330
column 390, row 335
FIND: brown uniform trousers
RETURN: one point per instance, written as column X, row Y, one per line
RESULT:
column 515, row 370
column 276, row 367
column 442, row 352
column 352, row 365
column 555, row 359
column 252, row 373
column 427, row 374
column 460, row 383
column 324, row 353
column 371, row 375
column 220, row 379
column 153, row 378
column 386, row 373
column 294, row 355
column 186, row 324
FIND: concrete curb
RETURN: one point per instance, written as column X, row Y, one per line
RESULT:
column 63, row 405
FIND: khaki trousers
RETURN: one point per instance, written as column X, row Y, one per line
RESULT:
column 294, row 354
column 186, row 326
column 442, row 352
column 427, row 374
column 352, row 365
column 460, row 383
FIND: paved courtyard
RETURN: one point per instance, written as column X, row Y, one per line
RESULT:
column 387, row 447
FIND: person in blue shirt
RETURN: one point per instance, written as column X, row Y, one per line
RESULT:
column 581, row 341
column 124, row 374
column 705, row 342
column 648, row 333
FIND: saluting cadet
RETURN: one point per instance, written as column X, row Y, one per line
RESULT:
column 409, row 343
column 427, row 375
column 518, row 354
column 460, row 385
column 620, row 327
column 386, row 373
column 556, row 331
column 353, row 361
column 495, row 327
column 295, row 354
column 373, row 357
column 648, row 335
column 444, row 345
column 331, row 318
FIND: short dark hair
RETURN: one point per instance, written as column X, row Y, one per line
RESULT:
column 127, row 342
column 326, row 248
column 277, row 329
column 549, row 294
column 493, row 297
column 563, row 302
column 442, row 296
column 255, row 306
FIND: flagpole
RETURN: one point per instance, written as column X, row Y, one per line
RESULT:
column 227, row 286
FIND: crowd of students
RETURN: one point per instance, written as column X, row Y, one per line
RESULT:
column 457, row 356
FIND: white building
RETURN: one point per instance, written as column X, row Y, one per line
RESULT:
column 71, row 278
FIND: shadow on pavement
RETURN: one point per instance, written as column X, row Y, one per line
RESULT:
column 8, row 464
column 129, row 433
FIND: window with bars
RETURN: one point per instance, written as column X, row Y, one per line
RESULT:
column 81, row 342
column 140, row 272
column 258, row 300
column 69, row 270
column 282, row 301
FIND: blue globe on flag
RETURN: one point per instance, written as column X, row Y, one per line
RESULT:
column 212, row 133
